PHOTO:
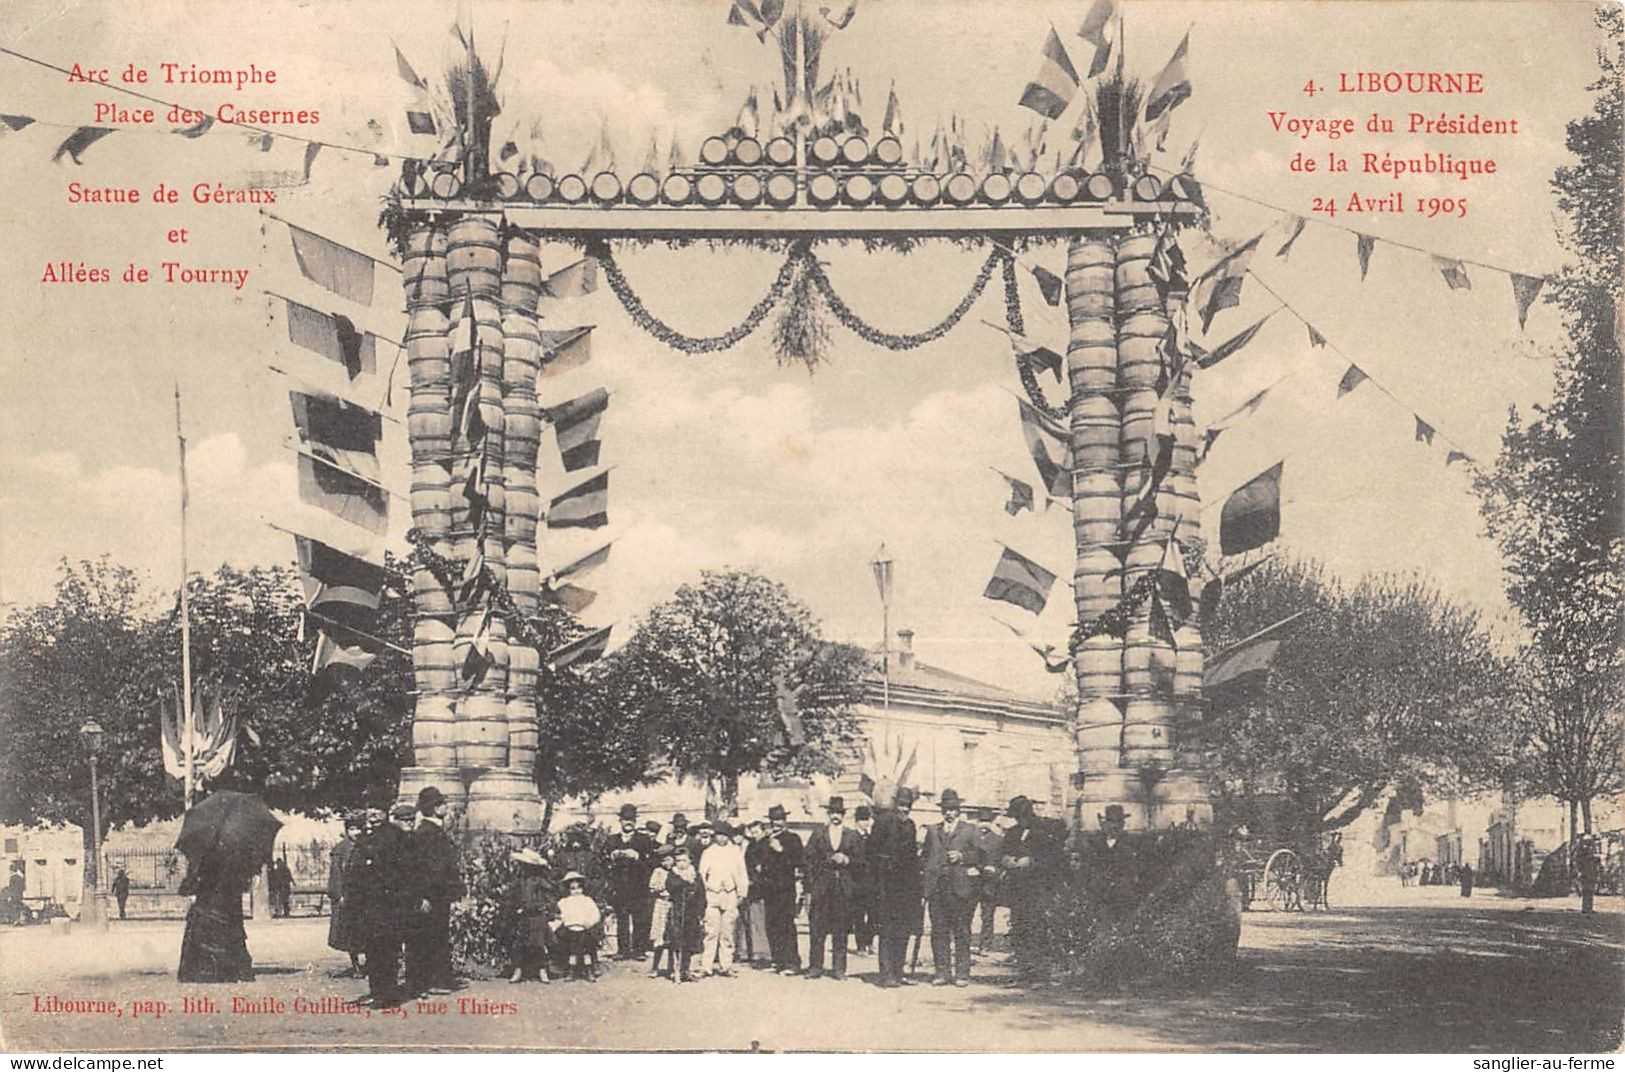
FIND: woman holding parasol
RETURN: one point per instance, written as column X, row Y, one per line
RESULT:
column 226, row 839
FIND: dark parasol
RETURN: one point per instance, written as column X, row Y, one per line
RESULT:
column 228, row 830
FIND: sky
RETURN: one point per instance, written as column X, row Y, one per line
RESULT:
column 731, row 460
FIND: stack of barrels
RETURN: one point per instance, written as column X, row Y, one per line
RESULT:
column 472, row 293
column 1139, row 699
column 1096, row 428
column 428, row 418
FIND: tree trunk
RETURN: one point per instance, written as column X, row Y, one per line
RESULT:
column 547, row 814
column 1585, row 812
column 730, row 795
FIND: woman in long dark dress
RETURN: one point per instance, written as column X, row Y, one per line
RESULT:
column 215, row 946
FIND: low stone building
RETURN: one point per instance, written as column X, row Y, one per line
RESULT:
column 985, row 742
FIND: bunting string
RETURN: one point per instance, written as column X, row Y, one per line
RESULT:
column 1017, row 324
column 449, row 574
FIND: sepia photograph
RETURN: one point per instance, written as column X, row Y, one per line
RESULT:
column 812, row 526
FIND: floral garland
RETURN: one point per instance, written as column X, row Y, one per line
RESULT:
column 1018, row 325
column 871, row 334
column 1115, row 622
column 690, row 344
column 450, row 576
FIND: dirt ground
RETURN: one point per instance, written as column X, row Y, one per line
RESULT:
column 1430, row 973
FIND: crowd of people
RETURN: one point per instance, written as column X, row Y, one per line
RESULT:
column 711, row 897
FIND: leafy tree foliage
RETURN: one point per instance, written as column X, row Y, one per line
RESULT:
column 1382, row 684
column 703, row 671
column 1553, row 502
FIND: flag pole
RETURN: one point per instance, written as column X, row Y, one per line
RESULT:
column 882, row 567
column 186, row 616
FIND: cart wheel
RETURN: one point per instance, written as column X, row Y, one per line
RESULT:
column 1283, row 881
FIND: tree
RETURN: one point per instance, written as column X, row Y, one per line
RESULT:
column 704, row 671
column 1553, row 501
column 1382, row 684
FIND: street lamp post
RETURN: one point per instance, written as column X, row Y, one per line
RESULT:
column 90, row 910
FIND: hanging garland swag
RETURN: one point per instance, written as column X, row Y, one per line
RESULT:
column 800, row 258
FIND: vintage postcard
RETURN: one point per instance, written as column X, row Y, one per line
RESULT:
column 812, row 525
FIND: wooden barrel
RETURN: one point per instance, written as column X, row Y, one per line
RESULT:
column 676, row 190
column 1188, row 659
column 1099, row 664
column 1098, row 187
column 431, row 499
column 1096, row 431
column 1147, row 188
column 446, row 184
column 893, row 189
column 429, row 596
column 855, row 151
column 482, row 730
column 523, row 731
column 960, row 189
column 508, row 186
column 1097, row 730
column 521, row 277
column 1140, row 559
column 414, row 183
column 539, row 187
column 823, row 189
column 1184, row 454
column 1138, row 410
column 1133, row 266
column 643, row 189
column 423, row 268
column 825, row 151
column 1097, row 582
column 433, row 668
column 781, row 152
column 428, row 423
column 496, row 678
column 1139, row 362
column 572, row 189
column 474, row 256
column 524, row 666
column 746, row 189
column 925, row 189
column 1030, row 188
column 1096, row 507
column 711, row 189
column 858, row 190
column 606, row 188
column 434, row 732
column 520, row 518
column 524, row 578
column 521, row 432
column 1065, row 188
column 1148, row 732
column 714, row 151
column 781, row 188
column 1182, row 188
column 996, row 188
column 748, row 152
column 1148, row 661
column 428, row 348
column 888, row 152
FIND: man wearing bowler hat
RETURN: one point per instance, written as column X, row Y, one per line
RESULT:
column 440, row 882
column 952, row 878
column 781, row 861
column 862, row 917
column 1109, row 864
column 832, row 854
column 631, row 855
column 893, row 852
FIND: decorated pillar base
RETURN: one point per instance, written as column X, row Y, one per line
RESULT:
column 504, row 799
column 1149, row 803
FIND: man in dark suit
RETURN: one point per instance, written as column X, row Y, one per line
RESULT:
column 1026, row 863
column 679, row 838
column 863, row 895
column 439, row 883
column 832, row 854
column 631, row 855
column 781, row 863
column 990, row 839
column 383, row 900
column 1110, row 865
column 952, row 876
column 893, row 852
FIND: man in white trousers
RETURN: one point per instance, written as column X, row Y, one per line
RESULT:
column 722, row 872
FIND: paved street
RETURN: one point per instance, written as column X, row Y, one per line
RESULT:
column 1431, row 973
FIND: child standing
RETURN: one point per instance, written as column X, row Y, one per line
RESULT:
column 685, row 919
column 578, row 928
column 665, row 857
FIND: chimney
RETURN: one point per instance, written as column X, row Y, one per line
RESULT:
column 905, row 648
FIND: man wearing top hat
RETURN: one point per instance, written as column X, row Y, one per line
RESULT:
column 781, row 861
column 631, row 855
column 952, row 877
column 440, row 882
column 893, row 852
column 832, row 854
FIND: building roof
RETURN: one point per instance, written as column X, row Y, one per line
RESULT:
column 931, row 686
